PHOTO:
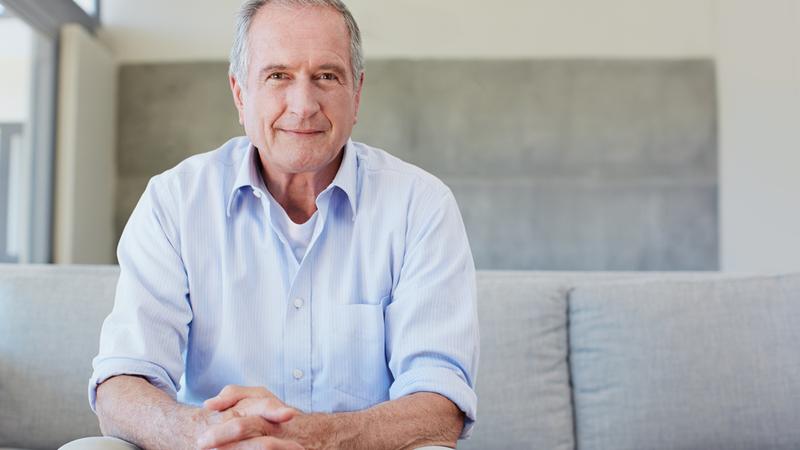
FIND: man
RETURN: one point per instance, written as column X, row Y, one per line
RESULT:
column 308, row 290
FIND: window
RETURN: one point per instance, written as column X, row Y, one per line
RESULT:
column 91, row 7
column 17, row 57
column 11, row 158
column 29, row 31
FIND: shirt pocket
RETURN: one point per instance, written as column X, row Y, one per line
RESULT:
column 358, row 364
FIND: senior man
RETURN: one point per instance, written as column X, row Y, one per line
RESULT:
column 307, row 290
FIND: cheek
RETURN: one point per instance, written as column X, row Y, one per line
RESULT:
column 344, row 111
column 264, row 108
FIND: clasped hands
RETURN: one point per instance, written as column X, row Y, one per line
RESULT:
column 243, row 418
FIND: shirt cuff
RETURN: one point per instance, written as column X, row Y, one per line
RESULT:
column 110, row 367
column 443, row 381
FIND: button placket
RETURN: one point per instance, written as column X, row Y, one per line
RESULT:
column 297, row 342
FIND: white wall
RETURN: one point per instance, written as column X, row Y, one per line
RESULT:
column 180, row 30
column 756, row 45
column 759, row 66
column 86, row 151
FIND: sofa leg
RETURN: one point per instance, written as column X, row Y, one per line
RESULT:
column 98, row 443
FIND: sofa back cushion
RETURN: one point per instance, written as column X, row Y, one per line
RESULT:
column 709, row 364
column 50, row 319
column 523, row 380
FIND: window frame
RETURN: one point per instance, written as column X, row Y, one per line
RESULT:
column 46, row 18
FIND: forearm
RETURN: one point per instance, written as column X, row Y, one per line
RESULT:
column 132, row 409
column 406, row 423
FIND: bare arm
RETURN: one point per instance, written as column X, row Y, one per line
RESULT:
column 132, row 409
column 409, row 422
column 406, row 423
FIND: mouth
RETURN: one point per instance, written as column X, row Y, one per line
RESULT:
column 302, row 132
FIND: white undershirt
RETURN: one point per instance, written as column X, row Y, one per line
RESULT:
column 298, row 235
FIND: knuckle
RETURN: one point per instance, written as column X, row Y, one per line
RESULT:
column 262, row 392
column 229, row 414
column 227, row 390
column 275, row 402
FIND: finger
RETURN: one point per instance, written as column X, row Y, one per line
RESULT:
column 263, row 443
column 269, row 408
column 231, row 394
column 235, row 430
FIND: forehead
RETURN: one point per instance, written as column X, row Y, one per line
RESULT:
column 289, row 35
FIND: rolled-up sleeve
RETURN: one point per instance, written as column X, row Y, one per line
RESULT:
column 147, row 330
column 431, row 323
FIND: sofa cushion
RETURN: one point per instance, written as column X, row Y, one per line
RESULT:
column 50, row 320
column 709, row 364
column 523, row 380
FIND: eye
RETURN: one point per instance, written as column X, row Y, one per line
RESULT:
column 277, row 76
column 328, row 76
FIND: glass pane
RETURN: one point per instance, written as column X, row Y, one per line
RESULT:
column 90, row 6
column 17, row 89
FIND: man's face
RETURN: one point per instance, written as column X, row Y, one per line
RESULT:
column 298, row 104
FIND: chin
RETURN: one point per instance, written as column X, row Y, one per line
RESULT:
column 301, row 157
column 305, row 166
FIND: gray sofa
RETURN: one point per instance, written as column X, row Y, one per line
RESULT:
column 569, row 360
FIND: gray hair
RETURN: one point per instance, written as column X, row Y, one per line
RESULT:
column 240, row 52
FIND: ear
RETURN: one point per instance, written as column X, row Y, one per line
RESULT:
column 236, row 90
column 358, row 96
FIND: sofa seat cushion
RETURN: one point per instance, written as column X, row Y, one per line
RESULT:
column 523, row 379
column 709, row 364
column 50, row 318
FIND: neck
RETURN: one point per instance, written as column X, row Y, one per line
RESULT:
column 297, row 192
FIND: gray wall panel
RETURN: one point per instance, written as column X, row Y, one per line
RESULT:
column 171, row 111
column 568, row 226
column 595, row 165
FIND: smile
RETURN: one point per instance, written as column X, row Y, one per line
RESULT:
column 303, row 132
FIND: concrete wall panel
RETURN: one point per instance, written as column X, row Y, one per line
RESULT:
column 556, row 164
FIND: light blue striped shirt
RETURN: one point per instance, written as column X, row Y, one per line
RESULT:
column 210, row 293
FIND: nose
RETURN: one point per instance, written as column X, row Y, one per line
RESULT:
column 302, row 100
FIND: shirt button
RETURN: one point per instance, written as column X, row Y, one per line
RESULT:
column 297, row 374
column 257, row 193
column 298, row 303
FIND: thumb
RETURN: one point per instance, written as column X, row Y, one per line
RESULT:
column 270, row 409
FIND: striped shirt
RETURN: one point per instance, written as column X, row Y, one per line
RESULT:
column 210, row 293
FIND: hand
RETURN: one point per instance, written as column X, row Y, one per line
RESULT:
column 261, row 402
column 245, row 418
column 263, row 443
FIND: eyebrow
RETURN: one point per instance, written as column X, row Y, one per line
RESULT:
column 338, row 69
column 272, row 67
column 333, row 68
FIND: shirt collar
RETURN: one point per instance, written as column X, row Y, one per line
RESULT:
column 346, row 178
column 249, row 175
